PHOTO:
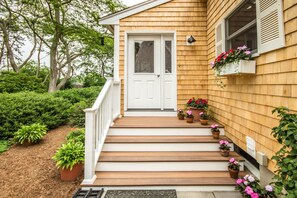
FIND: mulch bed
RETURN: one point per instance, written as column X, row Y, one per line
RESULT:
column 29, row 171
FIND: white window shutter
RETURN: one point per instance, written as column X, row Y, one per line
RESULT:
column 270, row 25
column 220, row 38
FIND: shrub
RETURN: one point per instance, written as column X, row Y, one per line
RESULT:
column 30, row 134
column 26, row 108
column 93, row 79
column 77, row 115
column 78, row 95
column 11, row 82
column 69, row 154
column 76, row 136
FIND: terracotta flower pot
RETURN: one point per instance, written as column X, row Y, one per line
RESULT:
column 181, row 117
column 233, row 173
column 216, row 134
column 190, row 120
column 71, row 175
column 196, row 113
column 225, row 153
column 204, row 122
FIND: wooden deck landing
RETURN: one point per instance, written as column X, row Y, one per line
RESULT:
column 158, row 122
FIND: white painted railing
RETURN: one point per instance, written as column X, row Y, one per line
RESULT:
column 99, row 118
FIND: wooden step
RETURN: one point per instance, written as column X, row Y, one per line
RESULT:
column 163, row 139
column 161, row 156
column 172, row 178
column 158, row 122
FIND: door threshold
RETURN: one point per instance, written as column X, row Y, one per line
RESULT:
column 150, row 112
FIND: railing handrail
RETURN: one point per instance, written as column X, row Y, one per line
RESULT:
column 101, row 96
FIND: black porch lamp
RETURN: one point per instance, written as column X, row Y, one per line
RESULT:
column 191, row 39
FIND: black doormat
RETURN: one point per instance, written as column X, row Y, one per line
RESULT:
column 141, row 194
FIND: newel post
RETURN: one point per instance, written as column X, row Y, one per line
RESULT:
column 89, row 173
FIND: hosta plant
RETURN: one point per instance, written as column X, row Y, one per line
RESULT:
column 30, row 134
column 76, row 136
column 286, row 158
column 69, row 154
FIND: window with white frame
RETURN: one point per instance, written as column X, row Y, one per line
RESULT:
column 258, row 24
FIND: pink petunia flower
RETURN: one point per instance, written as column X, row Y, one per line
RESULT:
column 235, row 162
column 239, row 181
column 226, row 142
column 249, row 190
column 222, row 141
column 201, row 113
column 254, row 195
column 269, row 188
column 247, row 52
column 251, row 178
column 232, row 160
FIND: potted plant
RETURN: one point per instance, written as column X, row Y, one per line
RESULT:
column 203, row 118
column 233, row 168
column 197, row 106
column 215, row 131
column 190, row 117
column 224, row 148
column 180, row 114
column 69, row 159
column 234, row 61
column 249, row 186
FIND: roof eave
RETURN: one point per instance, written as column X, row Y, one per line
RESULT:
column 114, row 19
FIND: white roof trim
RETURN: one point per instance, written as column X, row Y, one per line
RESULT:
column 113, row 19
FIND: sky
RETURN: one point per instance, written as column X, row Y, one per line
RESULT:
column 132, row 2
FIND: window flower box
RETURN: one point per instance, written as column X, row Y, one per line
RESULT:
column 238, row 68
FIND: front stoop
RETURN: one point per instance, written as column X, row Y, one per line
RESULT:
column 162, row 153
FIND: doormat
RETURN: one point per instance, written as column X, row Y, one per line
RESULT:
column 141, row 194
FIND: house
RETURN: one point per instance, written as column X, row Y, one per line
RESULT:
column 157, row 69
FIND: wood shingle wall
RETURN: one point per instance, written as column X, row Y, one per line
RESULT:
column 245, row 105
column 186, row 17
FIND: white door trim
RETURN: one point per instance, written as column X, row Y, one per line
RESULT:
column 148, row 32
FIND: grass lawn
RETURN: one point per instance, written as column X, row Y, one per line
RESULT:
column 3, row 145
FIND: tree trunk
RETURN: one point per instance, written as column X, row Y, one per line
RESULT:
column 10, row 54
column 54, row 52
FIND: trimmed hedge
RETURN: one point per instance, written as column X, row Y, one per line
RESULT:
column 77, row 95
column 11, row 82
column 26, row 108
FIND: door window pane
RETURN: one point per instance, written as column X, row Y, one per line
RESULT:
column 168, row 57
column 144, row 56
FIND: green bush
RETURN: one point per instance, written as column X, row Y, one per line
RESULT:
column 77, row 115
column 69, row 154
column 76, row 136
column 26, row 108
column 11, row 82
column 93, row 79
column 78, row 95
column 31, row 134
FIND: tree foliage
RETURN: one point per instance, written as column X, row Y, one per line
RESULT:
column 69, row 30
column 286, row 157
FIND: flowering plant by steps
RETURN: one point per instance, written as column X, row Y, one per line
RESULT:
column 199, row 103
column 215, row 128
column 233, row 55
column 189, row 114
column 249, row 187
column 233, row 164
column 203, row 116
column 224, row 145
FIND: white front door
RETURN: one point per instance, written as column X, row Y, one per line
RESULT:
column 150, row 72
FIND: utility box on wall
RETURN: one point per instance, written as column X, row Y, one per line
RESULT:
column 251, row 146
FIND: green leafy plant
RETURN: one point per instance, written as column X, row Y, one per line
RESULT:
column 286, row 157
column 77, row 115
column 76, row 136
column 31, row 134
column 69, row 154
column 4, row 145
column 26, row 108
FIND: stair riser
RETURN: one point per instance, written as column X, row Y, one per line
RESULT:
column 163, row 147
column 164, row 187
column 163, row 166
column 163, row 131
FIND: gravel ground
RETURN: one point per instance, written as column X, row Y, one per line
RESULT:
column 29, row 171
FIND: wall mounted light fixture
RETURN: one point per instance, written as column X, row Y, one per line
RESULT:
column 190, row 40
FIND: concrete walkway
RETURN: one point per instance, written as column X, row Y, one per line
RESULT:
column 186, row 194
